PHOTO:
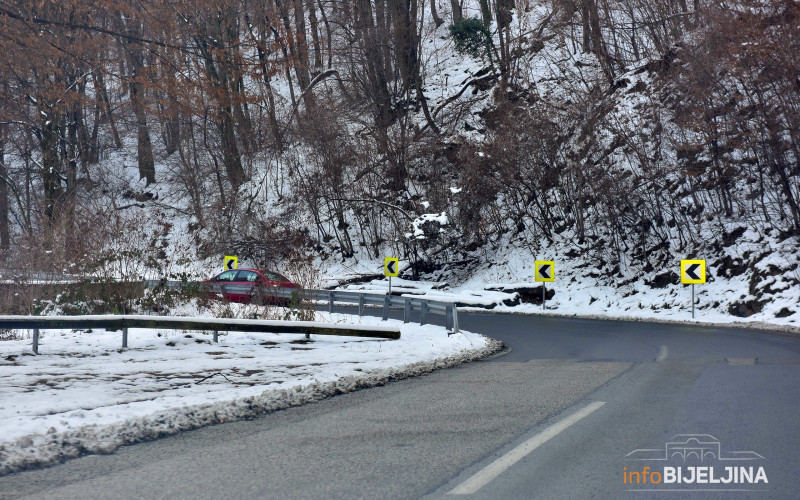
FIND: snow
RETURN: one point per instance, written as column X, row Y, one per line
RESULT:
column 419, row 233
column 85, row 394
column 95, row 398
column 584, row 290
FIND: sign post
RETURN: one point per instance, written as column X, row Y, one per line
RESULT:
column 693, row 272
column 391, row 267
column 544, row 271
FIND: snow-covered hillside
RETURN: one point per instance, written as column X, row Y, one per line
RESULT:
column 615, row 140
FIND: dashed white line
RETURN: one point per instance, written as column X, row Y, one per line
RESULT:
column 502, row 464
column 741, row 361
column 662, row 354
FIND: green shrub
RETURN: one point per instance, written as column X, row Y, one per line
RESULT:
column 471, row 37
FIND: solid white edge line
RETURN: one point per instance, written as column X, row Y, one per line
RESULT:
column 662, row 354
column 502, row 464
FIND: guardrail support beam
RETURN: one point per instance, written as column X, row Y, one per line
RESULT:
column 423, row 312
column 455, row 319
column 406, row 310
column 331, row 298
column 360, row 304
column 114, row 323
column 386, row 301
column 124, row 338
column 216, row 336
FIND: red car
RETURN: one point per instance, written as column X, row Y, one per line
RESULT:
column 251, row 286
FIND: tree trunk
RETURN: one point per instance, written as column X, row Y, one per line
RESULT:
column 504, row 17
column 230, row 151
column 403, row 15
column 303, row 64
column 328, row 33
column 314, row 23
column 70, row 196
column 234, row 62
column 261, row 49
column 101, row 85
column 50, row 180
column 435, row 14
column 598, row 45
column 94, row 145
column 298, row 48
column 486, row 12
column 374, row 65
column 382, row 31
column 172, row 132
column 147, row 168
column 455, row 7
column 5, row 238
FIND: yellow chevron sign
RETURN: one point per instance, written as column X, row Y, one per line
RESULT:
column 231, row 262
column 545, row 270
column 693, row 271
column 391, row 266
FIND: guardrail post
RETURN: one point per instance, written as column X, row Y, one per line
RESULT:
column 331, row 298
column 36, row 341
column 360, row 304
column 216, row 336
column 455, row 319
column 448, row 309
column 386, row 300
column 406, row 310
column 423, row 312
column 125, row 338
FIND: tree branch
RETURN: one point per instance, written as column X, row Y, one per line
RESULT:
column 85, row 27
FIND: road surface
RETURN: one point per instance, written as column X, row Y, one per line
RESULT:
column 569, row 410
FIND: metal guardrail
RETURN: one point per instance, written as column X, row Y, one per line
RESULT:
column 37, row 323
column 331, row 297
column 409, row 304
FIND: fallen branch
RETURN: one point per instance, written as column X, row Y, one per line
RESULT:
column 212, row 375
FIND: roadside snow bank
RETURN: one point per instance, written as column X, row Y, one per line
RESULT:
column 84, row 395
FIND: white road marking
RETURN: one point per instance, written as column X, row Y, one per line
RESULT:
column 741, row 361
column 662, row 354
column 502, row 464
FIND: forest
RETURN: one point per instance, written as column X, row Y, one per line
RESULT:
column 637, row 129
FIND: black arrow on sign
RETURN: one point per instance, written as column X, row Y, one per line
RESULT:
column 230, row 264
column 390, row 266
column 544, row 271
column 690, row 271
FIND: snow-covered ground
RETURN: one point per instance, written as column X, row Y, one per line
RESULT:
column 584, row 300
column 83, row 394
column 505, row 283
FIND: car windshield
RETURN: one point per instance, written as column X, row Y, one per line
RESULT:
column 226, row 276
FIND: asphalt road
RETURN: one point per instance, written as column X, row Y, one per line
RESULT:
column 557, row 416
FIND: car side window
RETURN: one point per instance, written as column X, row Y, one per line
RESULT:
column 226, row 276
column 247, row 276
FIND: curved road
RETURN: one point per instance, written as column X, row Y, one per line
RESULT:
column 569, row 411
